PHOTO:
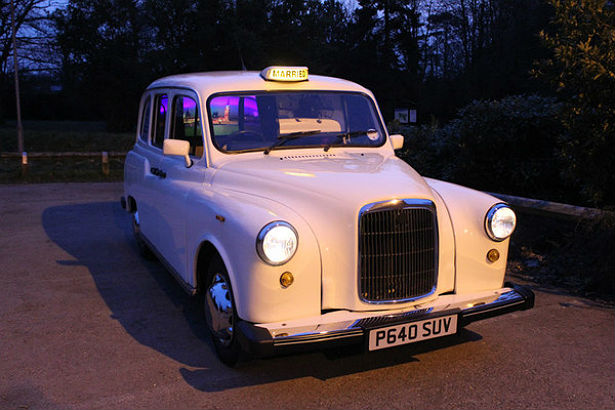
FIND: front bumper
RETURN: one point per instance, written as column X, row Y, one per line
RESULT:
column 345, row 327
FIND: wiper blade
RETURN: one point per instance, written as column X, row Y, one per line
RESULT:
column 284, row 138
column 345, row 135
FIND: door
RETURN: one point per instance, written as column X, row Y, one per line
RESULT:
column 148, row 201
column 181, row 183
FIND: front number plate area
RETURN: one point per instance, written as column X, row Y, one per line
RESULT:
column 412, row 332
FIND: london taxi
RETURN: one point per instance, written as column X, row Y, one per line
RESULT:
column 277, row 199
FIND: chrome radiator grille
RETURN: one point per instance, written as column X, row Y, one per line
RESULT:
column 397, row 250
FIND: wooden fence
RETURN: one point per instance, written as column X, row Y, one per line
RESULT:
column 535, row 206
column 540, row 207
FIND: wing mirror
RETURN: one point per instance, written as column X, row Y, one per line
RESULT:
column 397, row 140
column 178, row 148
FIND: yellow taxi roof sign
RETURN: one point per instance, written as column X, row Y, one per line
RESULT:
column 284, row 73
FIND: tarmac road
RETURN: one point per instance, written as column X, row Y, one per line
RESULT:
column 86, row 323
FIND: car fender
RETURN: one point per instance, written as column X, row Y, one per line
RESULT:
column 467, row 209
column 231, row 221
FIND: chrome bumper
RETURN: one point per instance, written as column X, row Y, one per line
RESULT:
column 343, row 327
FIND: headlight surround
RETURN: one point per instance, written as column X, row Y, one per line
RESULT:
column 500, row 222
column 277, row 242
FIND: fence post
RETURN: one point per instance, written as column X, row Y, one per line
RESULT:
column 105, row 163
column 24, row 164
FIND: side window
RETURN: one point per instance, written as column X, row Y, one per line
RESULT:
column 145, row 120
column 187, row 124
column 160, row 117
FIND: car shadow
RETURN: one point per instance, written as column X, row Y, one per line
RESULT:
column 153, row 309
column 322, row 365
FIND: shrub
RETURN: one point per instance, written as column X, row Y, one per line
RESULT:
column 507, row 146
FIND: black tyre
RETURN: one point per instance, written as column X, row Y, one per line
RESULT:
column 144, row 250
column 220, row 313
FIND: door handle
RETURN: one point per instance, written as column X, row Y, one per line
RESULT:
column 158, row 172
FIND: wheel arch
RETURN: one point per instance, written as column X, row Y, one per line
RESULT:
column 206, row 252
column 131, row 204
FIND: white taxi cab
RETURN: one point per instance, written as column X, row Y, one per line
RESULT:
column 277, row 198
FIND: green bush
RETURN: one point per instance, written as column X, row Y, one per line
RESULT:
column 573, row 253
column 508, row 146
column 581, row 69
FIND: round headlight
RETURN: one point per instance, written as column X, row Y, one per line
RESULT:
column 500, row 222
column 276, row 243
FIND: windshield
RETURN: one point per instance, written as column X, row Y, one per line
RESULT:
column 279, row 120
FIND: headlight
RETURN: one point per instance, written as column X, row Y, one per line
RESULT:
column 276, row 242
column 500, row 222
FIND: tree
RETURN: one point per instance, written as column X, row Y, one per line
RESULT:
column 102, row 70
column 582, row 69
column 34, row 41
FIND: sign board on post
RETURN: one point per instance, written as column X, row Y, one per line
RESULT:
column 405, row 116
column 401, row 115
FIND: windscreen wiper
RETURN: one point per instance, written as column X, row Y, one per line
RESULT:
column 284, row 138
column 351, row 134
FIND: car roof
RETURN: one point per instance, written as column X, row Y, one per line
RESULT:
column 207, row 83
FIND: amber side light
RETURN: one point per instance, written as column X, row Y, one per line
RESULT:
column 493, row 255
column 286, row 279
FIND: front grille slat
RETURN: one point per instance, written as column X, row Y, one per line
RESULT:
column 398, row 254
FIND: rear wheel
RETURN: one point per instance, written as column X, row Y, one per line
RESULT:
column 220, row 313
column 144, row 250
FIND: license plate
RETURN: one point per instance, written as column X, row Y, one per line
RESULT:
column 412, row 332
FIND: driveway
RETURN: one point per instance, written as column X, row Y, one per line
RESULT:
column 86, row 323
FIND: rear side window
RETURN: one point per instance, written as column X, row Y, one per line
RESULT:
column 145, row 121
column 160, row 117
column 187, row 124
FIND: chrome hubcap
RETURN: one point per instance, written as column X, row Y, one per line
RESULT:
column 219, row 309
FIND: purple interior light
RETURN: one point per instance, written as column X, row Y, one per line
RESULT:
column 189, row 104
column 250, row 107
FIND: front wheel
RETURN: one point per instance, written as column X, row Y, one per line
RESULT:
column 220, row 312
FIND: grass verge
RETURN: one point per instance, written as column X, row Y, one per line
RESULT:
column 60, row 170
column 62, row 136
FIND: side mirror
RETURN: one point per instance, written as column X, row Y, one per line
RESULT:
column 397, row 140
column 178, row 148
